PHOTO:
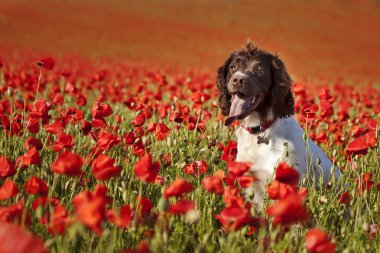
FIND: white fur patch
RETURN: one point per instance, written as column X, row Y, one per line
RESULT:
column 286, row 144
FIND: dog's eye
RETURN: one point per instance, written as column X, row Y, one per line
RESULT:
column 233, row 67
column 259, row 71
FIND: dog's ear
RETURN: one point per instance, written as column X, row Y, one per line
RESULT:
column 281, row 97
column 224, row 98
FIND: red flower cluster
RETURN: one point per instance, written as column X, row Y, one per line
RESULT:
column 289, row 208
column 196, row 168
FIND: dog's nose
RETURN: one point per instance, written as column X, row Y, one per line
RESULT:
column 238, row 81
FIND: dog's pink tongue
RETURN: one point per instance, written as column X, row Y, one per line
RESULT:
column 238, row 107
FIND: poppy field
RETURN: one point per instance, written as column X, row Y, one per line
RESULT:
column 123, row 158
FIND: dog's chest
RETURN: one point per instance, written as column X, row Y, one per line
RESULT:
column 263, row 156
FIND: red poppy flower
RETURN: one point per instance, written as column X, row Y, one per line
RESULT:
column 139, row 120
column 99, row 123
column 327, row 109
column 370, row 138
column 151, row 127
column 196, row 168
column 15, row 213
column 107, row 140
column 138, row 131
column 17, row 240
column 358, row 146
column 236, row 169
column 213, row 184
column 310, row 110
column 8, row 190
column 146, row 206
column 81, row 100
column 324, row 94
column 230, row 152
column 345, row 198
column 233, row 198
column 55, row 128
column 181, row 207
column 278, row 190
column 33, row 142
column 122, row 218
column 138, row 148
column 101, row 110
column 47, row 63
column 299, row 89
column 162, row 131
column 129, row 138
column 318, row 241
column 176, row 117
column 233, row 218
column 63, row 141
column 321, row 138
column 91, row 213
column 103, row 168
column 100, row 191
column 32, row 156
column 178, row 188
column 86, row 127
column 286, row 174
column 36, row 185
column 58, row 99
column 167, row 160
column 288, row 210
column 159, row 180
column 245, row 181
column 90, row 207
column 58, row 220
column 131, row 103
column 147, row 170
column 68, row 163
column 7, row 168
column 32, row 124
column 39, row 109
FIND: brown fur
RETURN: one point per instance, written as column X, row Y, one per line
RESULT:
column 280, row 97
column 221, row 82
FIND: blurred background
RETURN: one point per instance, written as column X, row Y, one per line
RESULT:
column 323, row 39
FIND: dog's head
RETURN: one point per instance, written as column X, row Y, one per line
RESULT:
column 253, row 80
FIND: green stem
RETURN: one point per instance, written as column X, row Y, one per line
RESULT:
column 38, row 84
column 137, row 207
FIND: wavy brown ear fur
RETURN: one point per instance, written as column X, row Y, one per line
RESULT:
column 224, row 99
column 281, row 97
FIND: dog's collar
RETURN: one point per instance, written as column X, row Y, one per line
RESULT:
column 259, row 128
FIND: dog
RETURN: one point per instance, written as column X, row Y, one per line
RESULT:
column 255, row 88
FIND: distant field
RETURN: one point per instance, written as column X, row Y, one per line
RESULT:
column 327, row 39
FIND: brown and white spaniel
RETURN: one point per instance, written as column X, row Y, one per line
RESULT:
column 255, row 88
